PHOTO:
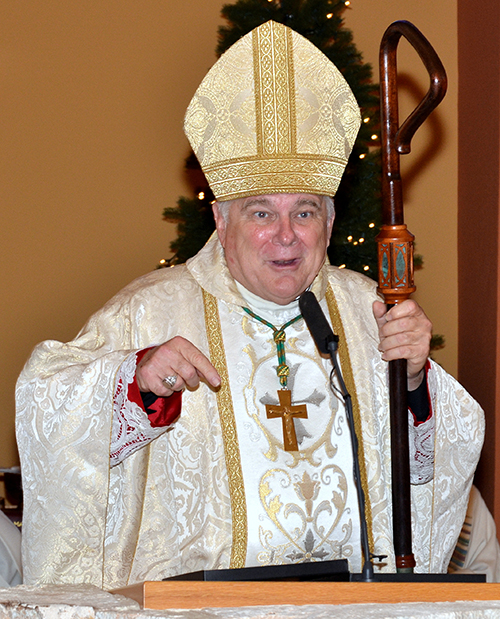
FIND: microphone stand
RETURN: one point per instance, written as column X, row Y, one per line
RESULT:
column 367, row 571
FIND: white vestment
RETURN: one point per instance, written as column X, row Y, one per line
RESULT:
column 216, row 489
column 10, row 553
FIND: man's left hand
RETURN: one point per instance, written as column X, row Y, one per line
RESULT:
column 405, row 333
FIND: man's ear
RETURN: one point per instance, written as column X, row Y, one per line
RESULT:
column 330, row 228
column 220, row 223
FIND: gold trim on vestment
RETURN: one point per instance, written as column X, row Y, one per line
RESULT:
column 345, row 363
column 229, row 434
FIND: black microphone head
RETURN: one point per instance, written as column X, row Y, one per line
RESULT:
column 316, row 322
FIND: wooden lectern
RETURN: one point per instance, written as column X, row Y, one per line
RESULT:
column 212, row 594
column 327, row 582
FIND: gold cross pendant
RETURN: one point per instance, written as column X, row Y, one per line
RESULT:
column 287, row 412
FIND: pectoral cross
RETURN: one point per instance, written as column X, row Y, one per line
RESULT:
column 287, row 412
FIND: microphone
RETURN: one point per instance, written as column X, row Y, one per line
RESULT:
column 317, row 324
column 327, row 343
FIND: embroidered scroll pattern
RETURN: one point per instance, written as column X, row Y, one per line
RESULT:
column 310, row 537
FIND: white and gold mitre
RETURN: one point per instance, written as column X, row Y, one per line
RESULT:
column 273, row 115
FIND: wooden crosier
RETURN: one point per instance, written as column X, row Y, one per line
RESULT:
column 395, row 252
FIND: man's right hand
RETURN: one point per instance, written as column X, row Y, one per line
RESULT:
column 177, row 357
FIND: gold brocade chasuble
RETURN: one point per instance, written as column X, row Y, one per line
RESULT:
column 288, row 506
column 216, row 488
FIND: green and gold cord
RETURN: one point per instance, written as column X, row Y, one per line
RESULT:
column 282, row 370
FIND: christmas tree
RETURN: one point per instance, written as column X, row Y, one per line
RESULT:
column 358, row 200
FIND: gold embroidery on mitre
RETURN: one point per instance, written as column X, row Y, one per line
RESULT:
column 274, row 89
column 229, row 434
column 273, row 115
column 345, row 363
column 297, row 173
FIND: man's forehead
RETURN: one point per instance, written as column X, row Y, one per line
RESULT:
column 296, row 199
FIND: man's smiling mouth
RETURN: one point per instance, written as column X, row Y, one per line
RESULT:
column 285, row 263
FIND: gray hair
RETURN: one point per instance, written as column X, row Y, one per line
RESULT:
column 327, row 201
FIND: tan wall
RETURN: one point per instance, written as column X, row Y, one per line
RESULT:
column 92, row 97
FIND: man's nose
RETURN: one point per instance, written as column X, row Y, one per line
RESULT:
column 285, row 232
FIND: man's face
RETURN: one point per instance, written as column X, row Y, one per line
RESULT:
column 275, row 244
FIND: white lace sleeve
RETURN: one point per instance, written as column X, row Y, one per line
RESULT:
column 421, row 439
column 131, row 429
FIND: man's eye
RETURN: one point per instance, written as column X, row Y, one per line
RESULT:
column 304, row 214
column 260, row 214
